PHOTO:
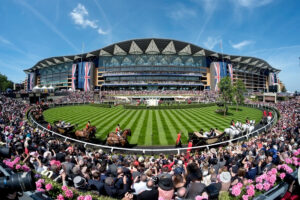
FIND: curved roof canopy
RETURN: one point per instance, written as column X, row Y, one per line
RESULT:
column 159, row 46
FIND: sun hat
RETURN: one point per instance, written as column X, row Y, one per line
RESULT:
column 79, row 181
column 225, row 177
column 165, row 183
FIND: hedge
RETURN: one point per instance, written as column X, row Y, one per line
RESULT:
column 202, row 105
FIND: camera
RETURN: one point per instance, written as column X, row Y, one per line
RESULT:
column 11, row 183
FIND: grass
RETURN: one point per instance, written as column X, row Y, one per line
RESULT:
column 150, row 127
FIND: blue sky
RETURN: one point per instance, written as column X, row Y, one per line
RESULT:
column 32, row 30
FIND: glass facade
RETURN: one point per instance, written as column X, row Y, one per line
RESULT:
column 56, row 75
column 158, row 69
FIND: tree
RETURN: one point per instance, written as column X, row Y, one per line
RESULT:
column 226, row 91
column 283, row 89
column 4, row 83
column 238, row 91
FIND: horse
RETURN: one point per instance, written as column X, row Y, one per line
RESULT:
column 89, row 133
column 269, row 119
column 232, row 131
column 114, row 140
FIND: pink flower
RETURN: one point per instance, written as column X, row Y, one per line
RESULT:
column 41, row 181
column 18, row 166
column 282, row 175
column 48, row 187
column 274, row 171
column 89, row 197
column 10, row 164
column 60, row 197
column 69, row 194
column 259, row 186
column 296, row 153
column 38, row 185
column 25, row 168
column 64, row 188
column 288, row 161
column 80, row 197
column 236, row 190
column 245, row 197
column 266, row 186
column 259, row 179
column 200, row 197
column 249, row 181
column 16, row 160
column 40, row 189
column 272, row 179
column 240, row 185
column 160, row 198
column 279, row 167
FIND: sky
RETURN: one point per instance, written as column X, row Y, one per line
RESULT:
column 32, row 30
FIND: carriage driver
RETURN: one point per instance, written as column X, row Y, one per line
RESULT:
column 87, row 126
column 232, row 123
column 247, row 121
column 118, row 130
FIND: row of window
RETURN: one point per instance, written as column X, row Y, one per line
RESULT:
column 152, row 60
column 158, row 78
column 152, row 68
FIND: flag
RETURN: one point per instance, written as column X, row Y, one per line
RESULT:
column 217, row 75
column 230, row 70
column 87, row 76
column 73, row 76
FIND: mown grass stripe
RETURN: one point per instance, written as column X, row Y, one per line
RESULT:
column 162, row 136
column 138, row 133
column 155, row 136
column 149, row 129
column 177, row 126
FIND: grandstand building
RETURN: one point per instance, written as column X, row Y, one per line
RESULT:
column 150, row 64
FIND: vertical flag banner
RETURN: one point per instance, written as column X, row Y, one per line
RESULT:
column 218, row 71
column 272, row 79
column 31, row 81
column 87, row 76
column 230, row 70
column 74, row 76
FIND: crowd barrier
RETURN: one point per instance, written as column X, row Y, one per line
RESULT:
column 149, row 150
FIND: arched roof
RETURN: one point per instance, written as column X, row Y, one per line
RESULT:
column 159, row 46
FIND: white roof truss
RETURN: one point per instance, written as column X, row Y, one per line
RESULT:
column 215, row 55
column 66, row 59
column 104, row 53
column 76, row 57
column 246, row 61
column 227, row 57
column 152, row 48
column 89, row 55
column 135, row 49
column 49, row 63
column 118, row 51
column 170, row 48
column 200, row 53
column 260, row 65
column 186, row 50
column 57, row 61
column 238, row 59
column 254, row 63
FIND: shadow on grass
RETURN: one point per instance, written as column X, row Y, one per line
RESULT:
column 222, row 114
column 234, row 109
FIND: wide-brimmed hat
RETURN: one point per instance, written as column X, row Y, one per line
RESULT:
column 79, row 181
column 225, row 177
column 165, row 183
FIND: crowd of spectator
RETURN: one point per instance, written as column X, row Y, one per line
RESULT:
column 166, row 176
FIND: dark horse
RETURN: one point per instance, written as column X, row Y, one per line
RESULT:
column 114, row 140
column 89, row 133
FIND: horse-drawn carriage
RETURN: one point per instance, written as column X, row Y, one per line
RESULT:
column 114, row 139
column 64, row 128
column 199, row 139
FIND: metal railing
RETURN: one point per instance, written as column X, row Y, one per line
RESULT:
column 145, row 150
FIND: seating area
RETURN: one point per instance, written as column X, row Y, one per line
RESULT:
column 66, row 170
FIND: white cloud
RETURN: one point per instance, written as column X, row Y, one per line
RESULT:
column 241, row 45
column 211, row 42
column 252, row 3
column 182, row 12
column 80, row 14
column 80, row 17
column 102, row 32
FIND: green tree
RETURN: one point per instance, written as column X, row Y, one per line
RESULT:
column 4, row 83
column 238, row 91
column 226, row 91
column 283, row 89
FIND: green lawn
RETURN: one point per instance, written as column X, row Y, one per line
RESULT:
column 150, row 127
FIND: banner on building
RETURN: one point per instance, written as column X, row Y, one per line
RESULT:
column 230, row 71
column 218, row 71
column 272, row 79
column 85, row 76
column 74, row 66
column 31, row 81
